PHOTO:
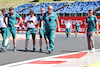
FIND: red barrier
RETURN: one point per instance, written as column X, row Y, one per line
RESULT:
column 73, row 20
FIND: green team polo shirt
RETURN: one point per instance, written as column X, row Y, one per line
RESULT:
column 50, row 23
column 91, row 23
column 40, row 18
column 12, row 19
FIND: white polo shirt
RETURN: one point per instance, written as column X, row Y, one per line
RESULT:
column 2, row 24
column 67, row 24
column 29, row 18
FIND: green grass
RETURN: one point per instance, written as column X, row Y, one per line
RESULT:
column 79, row 0
column 12, row 3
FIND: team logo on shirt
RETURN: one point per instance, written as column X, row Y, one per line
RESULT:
column 40, row 16
column 8, row 15
column 88, row 19
column 92, row 19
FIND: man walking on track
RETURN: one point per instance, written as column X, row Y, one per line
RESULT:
column 77, row 27
column 11, row 27
column 31, row 21
column 91, row 23
column 68, row 28
column 42, row 31
column 51, row 21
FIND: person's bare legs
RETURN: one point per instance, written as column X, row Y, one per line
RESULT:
column 69, row 34
column 76, row 34
column 6, row 41
column 33, row 43
column 40, row 43
column 14, row 42
column 26, row 43
column 47, row 42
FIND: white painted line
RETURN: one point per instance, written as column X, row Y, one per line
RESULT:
column 56, row 59
column 36, row 65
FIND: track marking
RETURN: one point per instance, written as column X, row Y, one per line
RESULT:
column 18, row 64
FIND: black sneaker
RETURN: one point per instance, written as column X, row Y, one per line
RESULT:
column 25, row 49
column 40, row 50
column 34, row 50
column 49, row 51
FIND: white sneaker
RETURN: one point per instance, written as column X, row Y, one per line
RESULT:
column 93, row 50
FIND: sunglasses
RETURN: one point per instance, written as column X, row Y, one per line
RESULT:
column 91, row 13
column 42, row 10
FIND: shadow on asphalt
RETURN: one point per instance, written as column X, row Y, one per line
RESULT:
column 69, row 51
column 20, row 50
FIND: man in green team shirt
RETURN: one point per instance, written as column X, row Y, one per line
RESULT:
column 51, row 21
column 41, row 30
column 77, row 27
column 12, row 24
column 91, row 24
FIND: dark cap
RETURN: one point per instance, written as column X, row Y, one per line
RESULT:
column 31, row 11
column 11, row 8
column 3, row 9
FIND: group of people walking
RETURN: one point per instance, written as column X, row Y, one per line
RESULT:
column 47, row 23
column 91, row 26
column 68, row 28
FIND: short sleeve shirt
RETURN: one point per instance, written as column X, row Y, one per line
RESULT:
column 33, row 19
column 50, row 20
column 91, row 23
column 67, row 24
column 12, row 19
column 2, row 23
column 40, row 18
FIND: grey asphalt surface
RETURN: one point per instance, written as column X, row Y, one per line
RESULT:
column 62, row 46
